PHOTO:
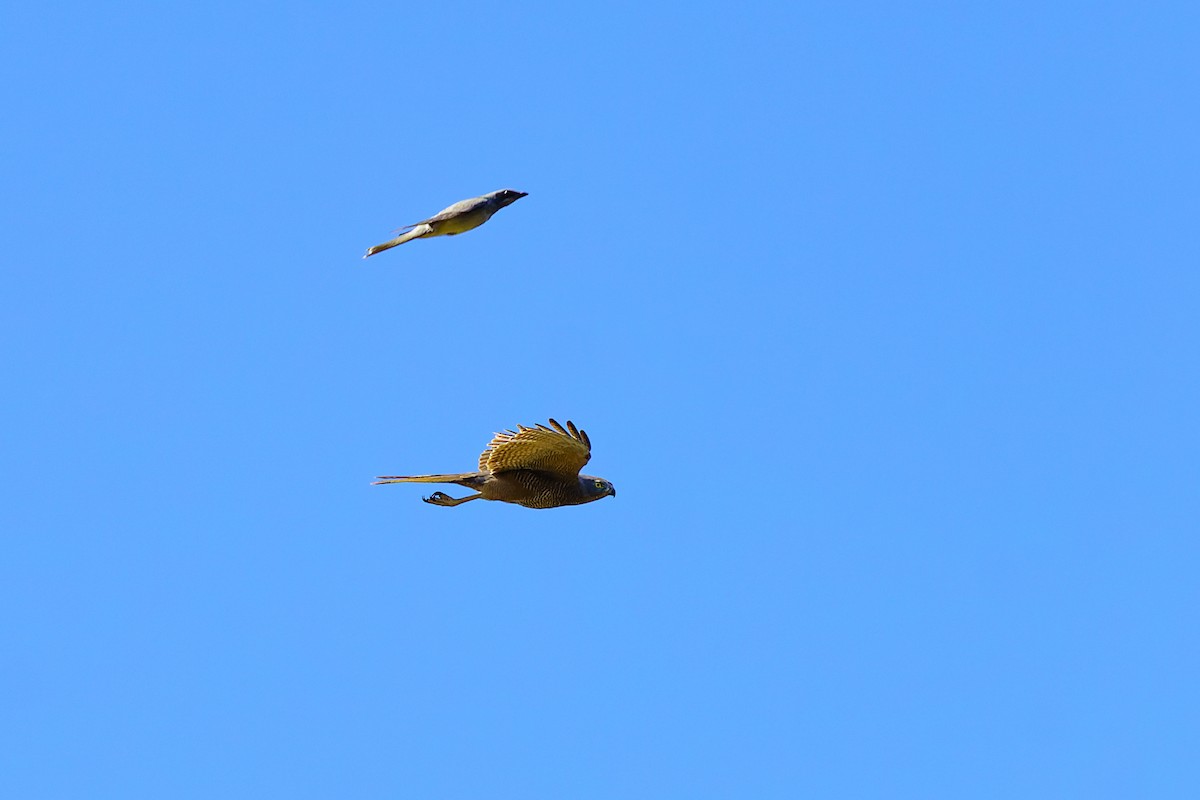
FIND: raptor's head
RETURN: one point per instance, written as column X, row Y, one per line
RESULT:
column 594, row 488
column 505, row 197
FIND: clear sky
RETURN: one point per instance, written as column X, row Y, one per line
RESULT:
column 882, row 318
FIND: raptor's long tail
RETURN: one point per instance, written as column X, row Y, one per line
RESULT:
column 462, row 479
column 415, row 233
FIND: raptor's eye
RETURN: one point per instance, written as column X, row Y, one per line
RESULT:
column 599, row 484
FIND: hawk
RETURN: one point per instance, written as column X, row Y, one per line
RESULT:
column 534, row 467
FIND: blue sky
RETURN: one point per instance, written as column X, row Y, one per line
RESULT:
column 882, row 320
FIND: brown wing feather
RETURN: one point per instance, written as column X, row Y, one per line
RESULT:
column 555, row 449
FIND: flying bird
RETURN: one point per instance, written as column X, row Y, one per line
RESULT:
column 458, row 218
column 534, row 467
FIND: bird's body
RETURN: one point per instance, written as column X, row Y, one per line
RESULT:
column 532, row 467
column 459, row 218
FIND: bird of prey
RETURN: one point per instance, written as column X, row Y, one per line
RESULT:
column 458, row 218
column 534, row 467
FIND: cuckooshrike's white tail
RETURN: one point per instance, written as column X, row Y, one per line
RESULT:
column 415, row 233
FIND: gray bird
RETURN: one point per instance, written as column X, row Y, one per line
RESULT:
column 533, row 467
column 462, row 216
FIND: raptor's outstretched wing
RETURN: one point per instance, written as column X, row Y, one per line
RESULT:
column 554, row 449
